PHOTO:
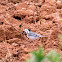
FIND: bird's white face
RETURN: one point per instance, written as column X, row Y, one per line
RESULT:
column 26, row 30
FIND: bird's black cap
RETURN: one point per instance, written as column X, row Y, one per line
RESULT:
column 29, row 29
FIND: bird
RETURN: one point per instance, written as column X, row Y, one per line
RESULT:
column 32, row 35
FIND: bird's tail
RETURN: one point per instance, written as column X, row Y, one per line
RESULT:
column 43, row 36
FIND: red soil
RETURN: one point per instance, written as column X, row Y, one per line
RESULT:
column 41, row 16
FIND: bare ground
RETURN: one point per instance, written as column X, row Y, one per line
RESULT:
column 41, row 16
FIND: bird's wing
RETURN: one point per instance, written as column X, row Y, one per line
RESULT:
column 41, row 35
column 33, row 34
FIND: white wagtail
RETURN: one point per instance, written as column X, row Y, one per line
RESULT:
column 31, row 35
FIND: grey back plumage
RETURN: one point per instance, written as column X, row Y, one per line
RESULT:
column 31, row 35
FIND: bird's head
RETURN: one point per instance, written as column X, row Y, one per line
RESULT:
column 27, row 30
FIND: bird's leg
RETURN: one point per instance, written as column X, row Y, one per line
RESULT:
column 29, row 40
column 26, row 38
